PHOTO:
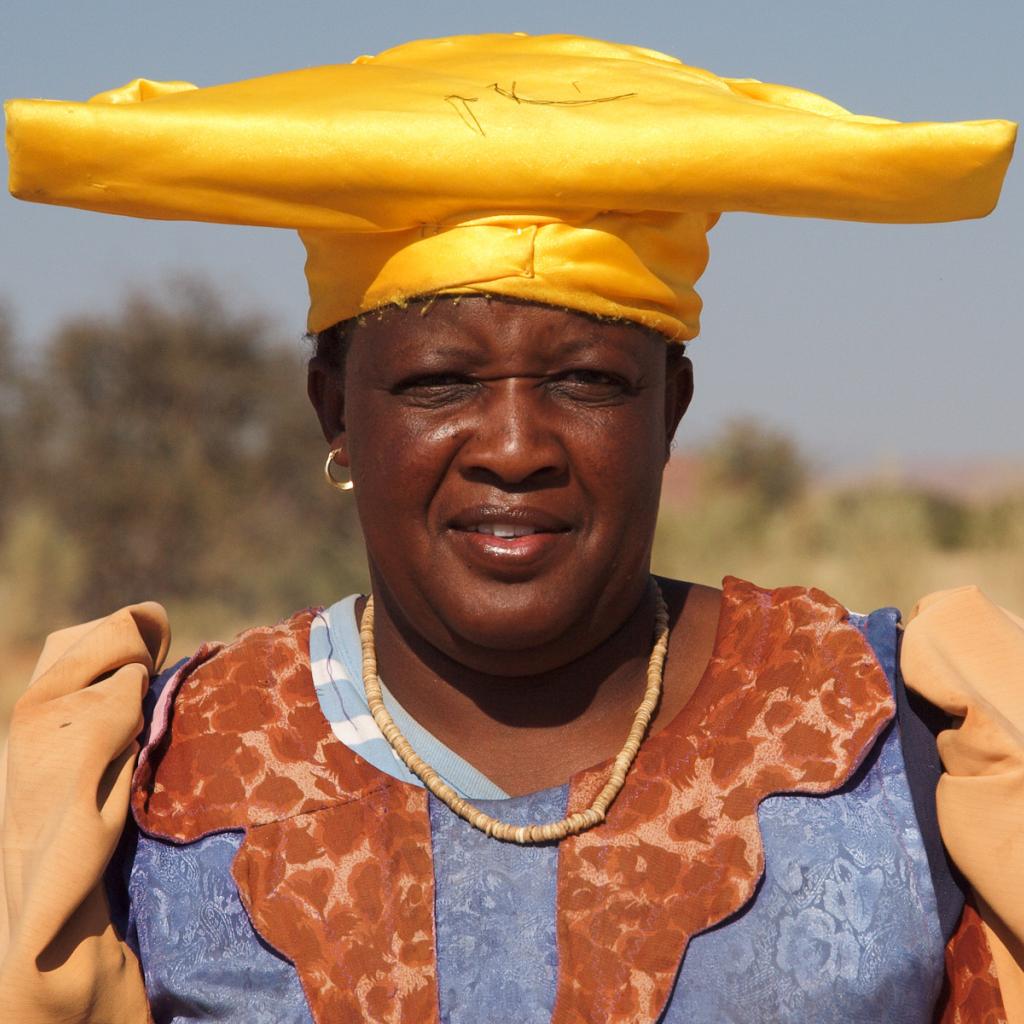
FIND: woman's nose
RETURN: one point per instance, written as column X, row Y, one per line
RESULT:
column 515, row 440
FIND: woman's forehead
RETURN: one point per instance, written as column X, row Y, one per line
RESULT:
column 479, row 327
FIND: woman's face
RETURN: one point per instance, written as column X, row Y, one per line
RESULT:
column 507, row 462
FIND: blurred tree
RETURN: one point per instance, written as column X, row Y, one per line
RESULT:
column 942, row 522
column 764, row 466
column 175, row 444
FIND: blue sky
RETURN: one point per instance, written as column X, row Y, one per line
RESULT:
column 865, row 342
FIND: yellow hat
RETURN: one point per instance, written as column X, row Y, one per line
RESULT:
column 554, row 168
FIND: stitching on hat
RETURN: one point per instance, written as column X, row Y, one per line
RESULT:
column 511, row 94
column 460, row 104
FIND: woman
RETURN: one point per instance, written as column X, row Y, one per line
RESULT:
column 648, row 800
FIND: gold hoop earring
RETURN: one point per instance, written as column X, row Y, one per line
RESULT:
column 339, row 485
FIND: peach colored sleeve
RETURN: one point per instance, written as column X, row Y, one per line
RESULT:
column 70, row 757
column 964, row 654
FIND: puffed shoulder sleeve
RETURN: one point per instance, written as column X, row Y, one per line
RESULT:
column 70, row 756
column 965, row 654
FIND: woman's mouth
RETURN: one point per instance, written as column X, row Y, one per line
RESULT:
column 508, row 539
column 506, row 531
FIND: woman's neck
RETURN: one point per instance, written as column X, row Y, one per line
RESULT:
column 530, row 733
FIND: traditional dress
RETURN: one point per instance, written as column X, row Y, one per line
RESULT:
column 770, row 859
column 835, row 861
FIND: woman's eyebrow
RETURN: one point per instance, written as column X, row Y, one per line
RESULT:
column 444, row 352
column 577, row 344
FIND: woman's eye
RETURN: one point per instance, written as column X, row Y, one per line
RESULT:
column 591, row 385
column 436, row 388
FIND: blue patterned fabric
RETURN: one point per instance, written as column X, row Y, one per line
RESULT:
column 844, row 927
column 495, row 914
column 117, row 875
column 201, row 958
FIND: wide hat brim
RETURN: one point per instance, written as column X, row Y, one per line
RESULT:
column 445, row 132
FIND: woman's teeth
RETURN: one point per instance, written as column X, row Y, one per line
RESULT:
column 505, row 531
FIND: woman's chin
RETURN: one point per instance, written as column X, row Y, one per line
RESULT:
column 508, row 606
column 518, row 617
column 528, row 626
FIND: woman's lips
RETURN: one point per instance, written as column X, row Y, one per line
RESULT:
column 493, row 551
column 508, row 538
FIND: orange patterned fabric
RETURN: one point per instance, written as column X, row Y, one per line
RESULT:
column 335, row 869
column 971, row 994
column 791, row 701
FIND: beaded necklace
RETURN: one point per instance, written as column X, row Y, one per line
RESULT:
column 522, row 834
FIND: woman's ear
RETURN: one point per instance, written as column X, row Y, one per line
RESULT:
column 678, row 394
column 326, row 390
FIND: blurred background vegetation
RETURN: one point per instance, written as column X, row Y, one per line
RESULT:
column 168, row 452
column 751, row 504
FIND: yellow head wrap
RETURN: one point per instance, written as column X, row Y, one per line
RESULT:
column 558, row 169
